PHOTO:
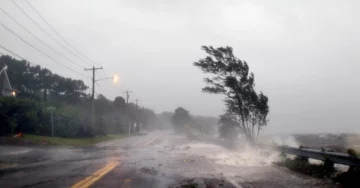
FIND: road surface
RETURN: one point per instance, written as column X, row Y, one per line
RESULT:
column 158, row 159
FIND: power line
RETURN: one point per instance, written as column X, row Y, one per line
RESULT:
column 97, row 85
column 6, row 49
column 40, row 50
column 105, row 73
column 39, row 39
column 27, row 15
column 57, row 33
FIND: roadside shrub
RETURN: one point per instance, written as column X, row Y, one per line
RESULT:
column 32, row 117
column 352, row 153
column 21, row 115
column 299, row 164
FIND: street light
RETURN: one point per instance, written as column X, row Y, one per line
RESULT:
column 115, row 79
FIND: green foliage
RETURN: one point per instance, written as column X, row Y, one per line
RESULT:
column 303, row 166
column 20, row 115
column 32, row 117
column 232, row 77
column 40, row 88
column 352, row 153
column 180, row 118
column 36, row 83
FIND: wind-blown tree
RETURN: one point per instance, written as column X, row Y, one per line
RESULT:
column 180, row 118
column 231, row 77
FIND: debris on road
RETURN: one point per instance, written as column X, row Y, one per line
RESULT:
column 127, row 180
column 187, row 147
column 189, row 160
column 202, row 183
column 150, row 171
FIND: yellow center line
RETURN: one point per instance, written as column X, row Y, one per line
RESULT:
column 87, row 182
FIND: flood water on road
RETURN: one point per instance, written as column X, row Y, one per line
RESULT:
column 158, row 159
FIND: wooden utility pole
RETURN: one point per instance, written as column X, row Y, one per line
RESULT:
column 127, row 111
column 136, row 102
column 137, row 112
column 93, row 69
column 127, row 96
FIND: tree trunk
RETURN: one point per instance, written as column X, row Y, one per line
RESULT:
column 245, row 127
column 258, row 131
column 45, row 94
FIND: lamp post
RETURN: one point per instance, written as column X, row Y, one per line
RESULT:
column 115, row 79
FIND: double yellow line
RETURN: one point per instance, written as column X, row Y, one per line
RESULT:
column 87, row 182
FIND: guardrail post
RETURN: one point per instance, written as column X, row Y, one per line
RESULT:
column 302, row 158
column 328, row 165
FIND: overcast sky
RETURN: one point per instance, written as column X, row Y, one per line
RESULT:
column 304, row 54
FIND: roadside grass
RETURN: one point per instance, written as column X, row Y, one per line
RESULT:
column 353, row 141
column 46, row 140
column 302, row 165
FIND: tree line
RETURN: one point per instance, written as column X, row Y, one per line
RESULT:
column 39, row 88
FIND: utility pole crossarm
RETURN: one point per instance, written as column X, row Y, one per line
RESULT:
column 93, row 69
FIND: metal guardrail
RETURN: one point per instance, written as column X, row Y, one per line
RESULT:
column 334, row 157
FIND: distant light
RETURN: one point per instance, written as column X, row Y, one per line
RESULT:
column 13, row 93
column 116, row 79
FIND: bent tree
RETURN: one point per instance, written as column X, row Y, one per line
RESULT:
column 231, row 77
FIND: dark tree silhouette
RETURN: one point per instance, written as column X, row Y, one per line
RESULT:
column 38, row 83
column 180, row 118
column 119, row 102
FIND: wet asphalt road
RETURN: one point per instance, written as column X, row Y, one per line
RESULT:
column 158, row 159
